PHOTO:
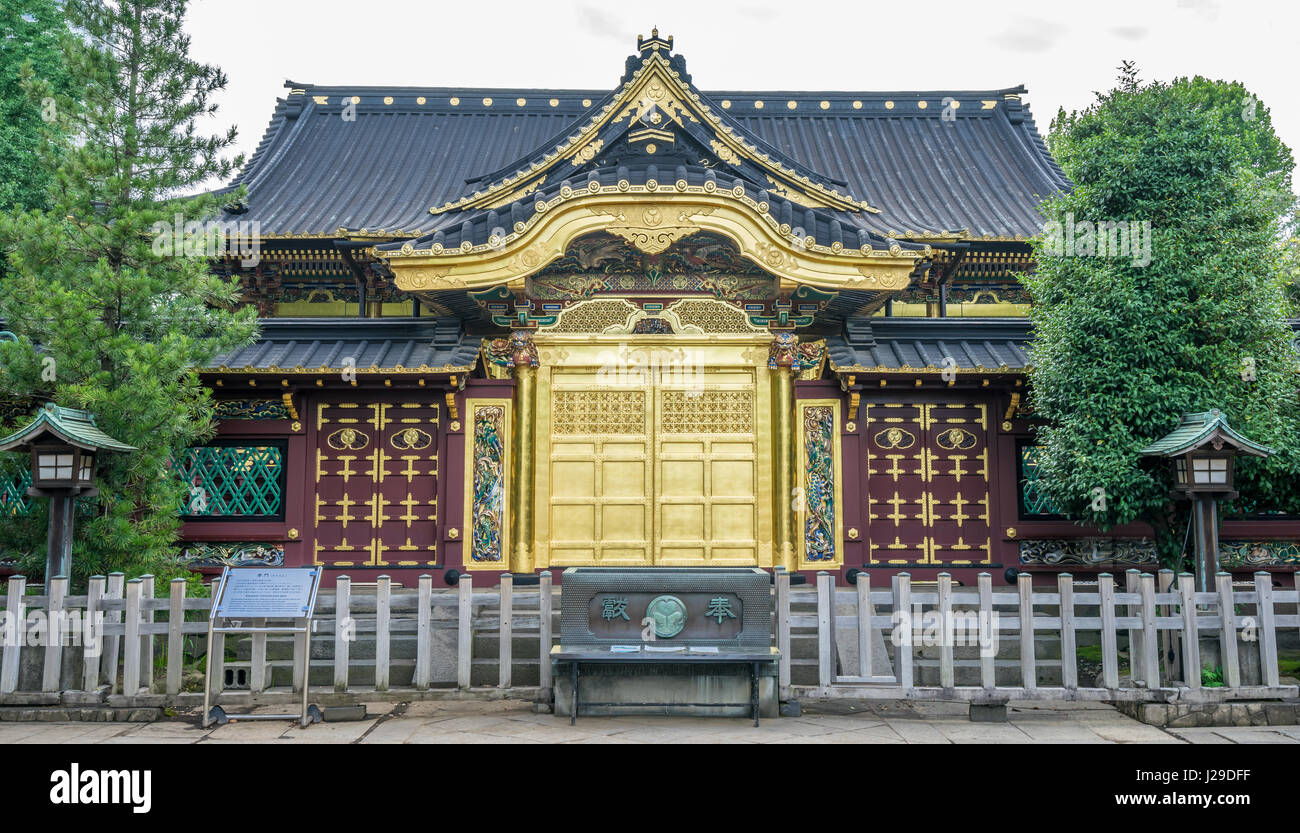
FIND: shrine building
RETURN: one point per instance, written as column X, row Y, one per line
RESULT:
column 523, row 329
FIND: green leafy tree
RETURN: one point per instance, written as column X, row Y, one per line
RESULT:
column 1123, row 348
column 30, row 49
column 110, row 314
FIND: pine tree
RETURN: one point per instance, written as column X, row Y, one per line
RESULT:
column 1123, row 347
column 110, row 314
column 30, row 34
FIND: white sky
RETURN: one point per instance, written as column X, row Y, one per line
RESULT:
column 1061, row 52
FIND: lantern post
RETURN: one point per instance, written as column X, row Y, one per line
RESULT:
column 64, row 444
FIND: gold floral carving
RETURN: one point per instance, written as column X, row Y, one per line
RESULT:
column 872, row 279
column 647, row 227
column 429, row 278
column 587, row 153
column 725, row 153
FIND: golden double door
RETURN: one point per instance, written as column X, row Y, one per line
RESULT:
column 654, row 469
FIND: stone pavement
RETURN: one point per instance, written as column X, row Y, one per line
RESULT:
column 515, row 722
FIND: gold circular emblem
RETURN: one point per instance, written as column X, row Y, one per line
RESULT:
column 347, row 439
column 955, row 439
column 895, row 438
column 411, row 439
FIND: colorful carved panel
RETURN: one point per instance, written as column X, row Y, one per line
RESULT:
column 927, row 484
column 376, row 484
column 1088, row 552
column 822, row 521
column 251, row 409
column 1140, row 552
column 246, row 554
column 702, row 263
column 486, row 478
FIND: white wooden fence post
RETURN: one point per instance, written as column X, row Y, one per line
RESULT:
column 112, row 644
column 507, row 630
column 131, row 661
column 783, row 633
column 1109, row 637
column 1069, row 656
column 95, row 628
column 344, row 631
column 146, row 641
column 864, row 623
column 988, row 624
column 56, row 590
column 424, row 633
column 1191, row 636
column 1267, row 628
column 1150, row 632
column 1166, row 582
column 1228, row 631
column 465, row 631
column 175, row 635
column 544, row 630
column 903, row 617
column 383, row 596
column 1028, row 662
column 1136, row 663
column 825, row 629
column 257, row 658
column 17, row 611
column 946, row 674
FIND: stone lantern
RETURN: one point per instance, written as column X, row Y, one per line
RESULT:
column 63, row 444
column 1204, row 449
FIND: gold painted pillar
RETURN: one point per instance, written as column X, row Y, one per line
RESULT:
column 783, row 359
column 523, row 360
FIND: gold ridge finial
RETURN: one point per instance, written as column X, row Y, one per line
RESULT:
column 654, row 43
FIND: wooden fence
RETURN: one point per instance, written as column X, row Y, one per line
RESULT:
column 149, row 643
column 1164, row 632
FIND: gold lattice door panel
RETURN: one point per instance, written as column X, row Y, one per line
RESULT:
column 376, row 484
column 652, row 474
column 600, row 473
column 706, row 507
column 927, row 484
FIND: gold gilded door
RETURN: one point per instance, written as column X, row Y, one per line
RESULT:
column 600, row 473
column 706, row 505
column 644, row 474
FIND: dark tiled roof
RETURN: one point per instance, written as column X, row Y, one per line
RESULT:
column 310, row 344
column 923, row 344
column 979, row 166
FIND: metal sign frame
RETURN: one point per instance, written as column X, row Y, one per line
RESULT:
column 302, row 625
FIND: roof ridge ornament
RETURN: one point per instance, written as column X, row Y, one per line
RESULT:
column 654, row 43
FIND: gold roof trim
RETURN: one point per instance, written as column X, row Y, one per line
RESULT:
column 308, row 371
column 650, row 219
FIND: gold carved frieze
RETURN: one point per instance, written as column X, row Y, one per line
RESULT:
column 652, row 227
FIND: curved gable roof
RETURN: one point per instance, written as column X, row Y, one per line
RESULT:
column 379, row 159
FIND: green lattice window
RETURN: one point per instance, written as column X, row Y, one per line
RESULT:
column 14, row 482
column 1034, row 503
column 233, row 480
